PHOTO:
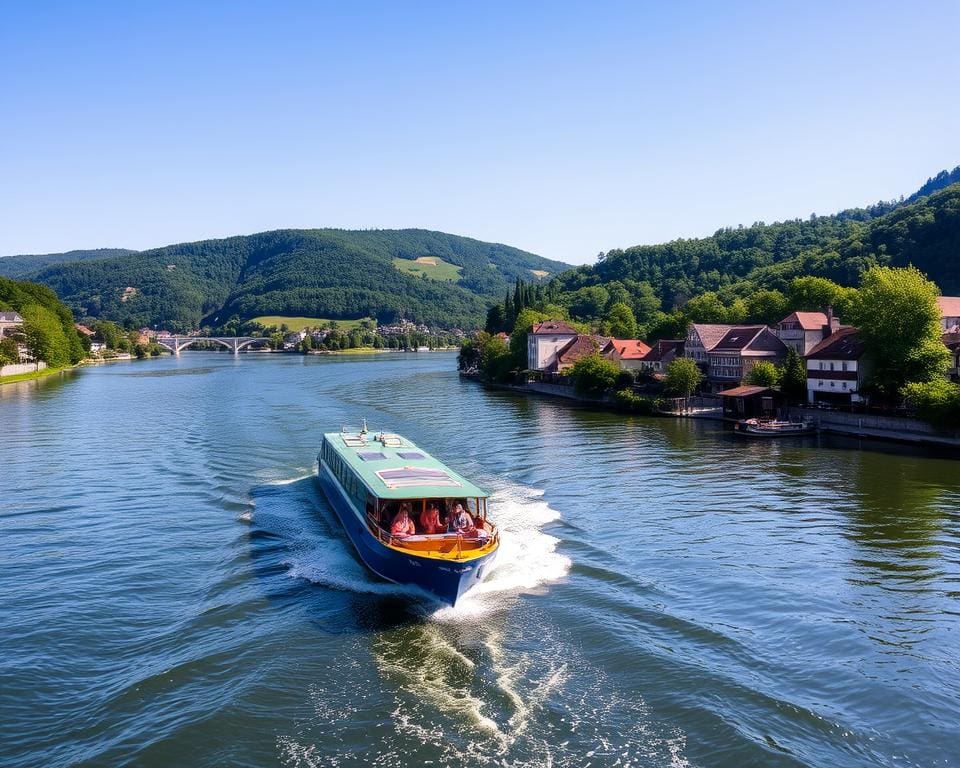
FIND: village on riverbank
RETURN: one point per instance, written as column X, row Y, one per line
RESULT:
column 808, row 367
column 22, row 352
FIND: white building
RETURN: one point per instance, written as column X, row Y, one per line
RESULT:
column 836, row 369
column 9, row 320
column 545, row 340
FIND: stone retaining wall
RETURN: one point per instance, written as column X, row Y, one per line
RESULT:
column 870, row 425
column 18, row 368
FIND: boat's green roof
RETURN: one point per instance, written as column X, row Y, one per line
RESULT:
column 352, row 446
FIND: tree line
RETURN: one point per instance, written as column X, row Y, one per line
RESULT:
column 48, row 330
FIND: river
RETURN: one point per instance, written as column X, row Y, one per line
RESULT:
column 174, row 590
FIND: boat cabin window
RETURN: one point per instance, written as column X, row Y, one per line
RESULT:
column 383, row 511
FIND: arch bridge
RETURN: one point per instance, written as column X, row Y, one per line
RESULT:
column 176, row 344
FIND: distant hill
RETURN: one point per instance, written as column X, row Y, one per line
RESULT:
column 317, row 273
column 18, row 266
column 923, row 230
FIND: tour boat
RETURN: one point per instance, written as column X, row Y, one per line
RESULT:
column 773, row 428
column 367, row 477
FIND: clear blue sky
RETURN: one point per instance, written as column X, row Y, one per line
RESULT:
column 562, row 128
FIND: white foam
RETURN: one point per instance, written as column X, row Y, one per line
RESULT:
column 527, row 559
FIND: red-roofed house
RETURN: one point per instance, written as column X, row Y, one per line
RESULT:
column 627, row 353
column 950, row 313
column 804, row 330
column 545, row 340
column 836, row 368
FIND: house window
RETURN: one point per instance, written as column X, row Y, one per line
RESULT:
column 831, row 365
column 833, row 383
column 844, row 366
column 844, row 385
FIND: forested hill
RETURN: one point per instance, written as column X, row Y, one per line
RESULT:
column 18, row 266
column 425, row 276
column 924, row 232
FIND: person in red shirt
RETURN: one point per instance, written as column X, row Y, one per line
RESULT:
column 430, row 520
column 402, row 523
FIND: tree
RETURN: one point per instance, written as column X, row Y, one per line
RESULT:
column 767, row 307
column 936, row 401
column 899, row 320
column 764, row 374
column 495, row 359
column 811, row 294
column 621, row 323
column 45, row 337
column 594, row 375
column 8, row 351
column 683, row 377
column 706, row 308
column 793, row 380
column 589, row 302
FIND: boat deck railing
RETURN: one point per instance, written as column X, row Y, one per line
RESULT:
column 439, row 543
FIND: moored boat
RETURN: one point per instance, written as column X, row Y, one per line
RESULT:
column 368, row 478
column 773, row 428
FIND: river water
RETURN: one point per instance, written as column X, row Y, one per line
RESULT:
column 174, row 590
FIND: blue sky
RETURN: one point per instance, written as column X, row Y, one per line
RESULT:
column 565, row 129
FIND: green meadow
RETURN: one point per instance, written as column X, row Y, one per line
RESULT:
column 429, row 266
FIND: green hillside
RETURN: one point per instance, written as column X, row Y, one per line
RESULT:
column 925, row 233
column 19, row 266
column 313, row 273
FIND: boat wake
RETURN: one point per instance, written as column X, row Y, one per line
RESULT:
column 318, row 551
column 487, row 682
column 528, row 559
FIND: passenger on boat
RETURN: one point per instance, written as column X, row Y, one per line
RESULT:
column 460, row 521
column 403, row 523
column 430, row 520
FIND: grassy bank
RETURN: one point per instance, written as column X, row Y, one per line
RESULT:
column 32, row 375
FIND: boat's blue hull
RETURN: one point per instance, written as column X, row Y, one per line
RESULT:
column 444, row 579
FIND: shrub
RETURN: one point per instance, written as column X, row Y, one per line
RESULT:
column 936, row 401
column 594, row 375
column 631, row 401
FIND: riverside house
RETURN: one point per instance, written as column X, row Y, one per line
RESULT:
column 804, row 330
column 9, row 320
column 663, row 353
column 949, row 313
column 732, row 358
column 544, row 341
column 580, row 346
column 627, row 353
column 837, row 369
column 701, row 338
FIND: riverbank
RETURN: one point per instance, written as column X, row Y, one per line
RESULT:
column 30, row 375
column 897, row 429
